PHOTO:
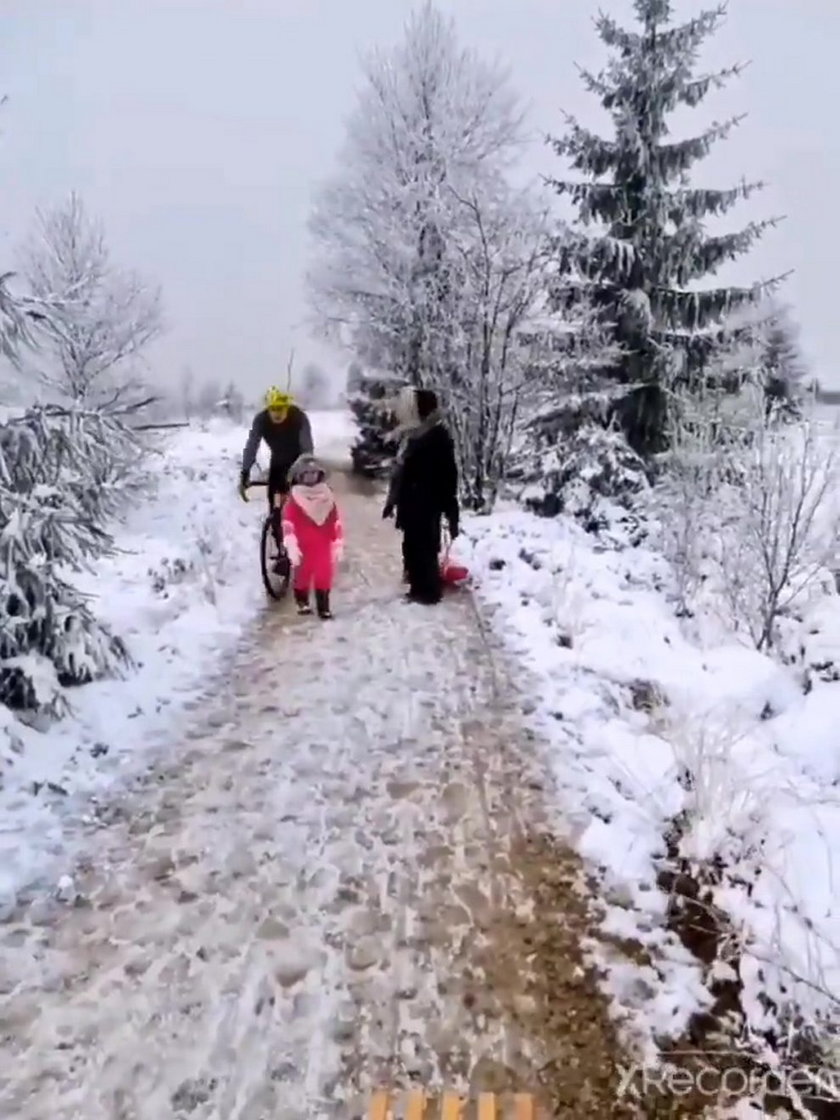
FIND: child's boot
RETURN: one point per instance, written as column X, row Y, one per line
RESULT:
column 302, row 601
column 322, row 602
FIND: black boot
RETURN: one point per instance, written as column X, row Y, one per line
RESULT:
column 322, row 604
column 302, row 600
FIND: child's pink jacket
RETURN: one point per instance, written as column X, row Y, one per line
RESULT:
column 313, row 533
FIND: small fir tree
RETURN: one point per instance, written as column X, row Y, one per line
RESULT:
column 570, row 457
column 763, row 352
column 62, row 473
column 373, row 453
column 642, row 263
column 783, row 367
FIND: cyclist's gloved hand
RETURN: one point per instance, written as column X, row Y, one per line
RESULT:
column 243, row 486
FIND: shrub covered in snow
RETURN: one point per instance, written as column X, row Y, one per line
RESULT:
column 749, row 514
column 574, row 475
column 62, row 475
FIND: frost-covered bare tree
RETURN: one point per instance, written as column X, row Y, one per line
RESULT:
column 417, row 226
column 102, row 318
column 499, row 254
column 750, row 508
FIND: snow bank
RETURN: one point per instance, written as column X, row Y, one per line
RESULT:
column 183, row 585
column 630, row 708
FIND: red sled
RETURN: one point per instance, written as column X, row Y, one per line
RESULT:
column 451, row 573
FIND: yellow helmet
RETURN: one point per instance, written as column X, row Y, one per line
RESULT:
column 277, row 401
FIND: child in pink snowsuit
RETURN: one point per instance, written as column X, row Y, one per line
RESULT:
column 312, row 534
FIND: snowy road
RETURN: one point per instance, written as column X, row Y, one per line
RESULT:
column 316, row 894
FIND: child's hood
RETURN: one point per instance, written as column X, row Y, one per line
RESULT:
column 317, row 502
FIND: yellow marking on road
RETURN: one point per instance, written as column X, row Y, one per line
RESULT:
column 487, row 1106
column 452, row 1107
column 414, row 1105
column 416, row 1108
column 524, row 1106
column 380, row 1106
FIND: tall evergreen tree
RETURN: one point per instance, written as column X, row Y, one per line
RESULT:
column 642, row 265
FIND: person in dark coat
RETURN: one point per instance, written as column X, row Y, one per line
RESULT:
column 423, row 491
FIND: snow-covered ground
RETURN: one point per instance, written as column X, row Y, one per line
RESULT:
column 182, row 587
column 630, row 705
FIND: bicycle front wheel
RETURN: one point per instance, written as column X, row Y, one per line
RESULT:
column 274, row 563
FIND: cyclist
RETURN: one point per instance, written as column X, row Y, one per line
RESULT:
column 286, row 430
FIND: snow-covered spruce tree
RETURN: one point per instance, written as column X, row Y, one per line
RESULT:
column 372, row 452
column 101, row 319
column 649, row 249
column 761, row 349
column 782, row 366
column 56, row 491
column 432, row 132
column 569, row 456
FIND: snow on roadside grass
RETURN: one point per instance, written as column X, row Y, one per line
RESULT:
column 184, row 583
column 630, row 708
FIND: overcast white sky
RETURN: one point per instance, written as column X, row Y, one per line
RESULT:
column 197, row 129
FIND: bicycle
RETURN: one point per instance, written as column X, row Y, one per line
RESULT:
column 275, row 565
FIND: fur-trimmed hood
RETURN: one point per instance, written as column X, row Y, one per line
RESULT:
column 410, row 426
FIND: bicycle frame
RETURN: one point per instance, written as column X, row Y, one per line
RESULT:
column 263, row 483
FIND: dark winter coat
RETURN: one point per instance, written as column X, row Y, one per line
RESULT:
column 286, row 441
column 425, row 482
